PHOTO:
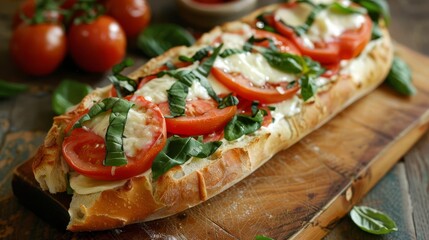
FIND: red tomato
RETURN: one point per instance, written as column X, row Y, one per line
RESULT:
column 38, row 49
column 346, row 46
column 132, row 15
column 85, row 151
column 97, row 46
column 202, row 117
column 282, row 43
column 244, row 88
column 27, row 9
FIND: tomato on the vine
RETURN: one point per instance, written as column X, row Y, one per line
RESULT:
column 27, row 9
column 97, row 46
column 38, row 49
column 132, row 15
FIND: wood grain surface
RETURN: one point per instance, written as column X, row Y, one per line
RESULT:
column 403, row 193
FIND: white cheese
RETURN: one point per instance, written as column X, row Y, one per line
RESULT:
column 287, row 108
column 254, row 67
column 136, row 133
column 85, row 185
column 326, row 26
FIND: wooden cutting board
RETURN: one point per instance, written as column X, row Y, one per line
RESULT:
column 302, row 192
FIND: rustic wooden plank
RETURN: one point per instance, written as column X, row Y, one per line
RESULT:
column 391, row 196
column 417, row 168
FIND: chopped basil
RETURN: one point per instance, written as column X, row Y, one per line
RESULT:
column 124, row 85
column 231, row 51
column 376, row 31
column 115, row 155
column 69, row 189
column 342, row 9
column 158, row 38
column 9, row 89
column 399, row 77
column 67, row 94
column 228, row 101
column 285, row 62
column 178, row 150
column 376, row 9
column 372, row 221
column 178, row 92
column 241, row 125
column 177, row 98
column 198, row 56
column 263, row 24
column 302, row 29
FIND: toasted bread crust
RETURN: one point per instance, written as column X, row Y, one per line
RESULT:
column 141, row 199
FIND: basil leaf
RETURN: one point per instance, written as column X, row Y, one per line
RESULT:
column 284, row 62
column 241, row 125
column 177, row 98
column 115, row 155
column 376, row 32
column 178, row 150
column 231, row 51
column 302, row 29
column 263, row 24
column 69, row 189
column 372, row 220
column 158, row 38
column 9, row 89
column 308, row 87
column 340, row 8
column 206, row 66
column 124, row 85
column 399, row 77
column 67, row 94
column 228, row 101
column 200, row 54
column 376, row 9
column 262, row 237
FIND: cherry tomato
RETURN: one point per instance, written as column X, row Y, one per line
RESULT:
column 132, row 15
column 97, row 46
column 348, row 45
column 38, row 49
column 202, row 117
column 27, row 9
column 85, row 151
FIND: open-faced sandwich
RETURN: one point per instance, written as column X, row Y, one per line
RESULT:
column 196, row 120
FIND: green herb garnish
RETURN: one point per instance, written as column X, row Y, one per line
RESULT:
column 124, row 85
column 10, row 89
column 399, row 77
column 372, row 221
column 115, row 155
column 242, row 124
column 178, row 150
column 158, row 38
column 376, row 9
column 67, row 94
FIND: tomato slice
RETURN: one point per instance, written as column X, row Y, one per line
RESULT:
column 348, row 45
column 282, row 43
column 201, row 117
column 84, row 151
column 243, row 87
column 245, row 107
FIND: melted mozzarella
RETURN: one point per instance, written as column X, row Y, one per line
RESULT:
column 254, row 67
column 326, row 26
column 136, row 135
column 287, row 108
column 85, row 185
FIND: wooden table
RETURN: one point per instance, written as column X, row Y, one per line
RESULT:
column 24, row 120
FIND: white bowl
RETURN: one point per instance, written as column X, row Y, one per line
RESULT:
column 204, row 15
